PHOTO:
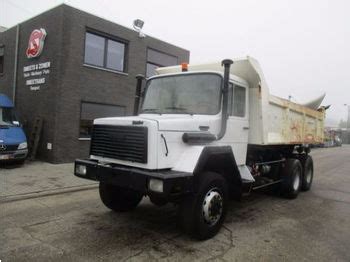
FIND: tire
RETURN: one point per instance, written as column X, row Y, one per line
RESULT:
column 19, row 162
column 119, row 199
column 291, row 178
column 203, row 213
column 158, row 201
column 308, row 173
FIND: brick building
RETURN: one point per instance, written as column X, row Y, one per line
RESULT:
column 85, row 70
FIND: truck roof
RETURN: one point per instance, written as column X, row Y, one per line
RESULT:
column 5, row 101
column 235, row 78
column 246, row 69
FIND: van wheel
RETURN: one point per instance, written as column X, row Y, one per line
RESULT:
column 158, row 201
column 19, row 162
column 203, row 213
column 291, row 178
column 308, row 173
column 119, row 199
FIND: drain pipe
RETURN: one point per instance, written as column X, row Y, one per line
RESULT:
column 14, row 84
column 139, row 79
column 227, row 64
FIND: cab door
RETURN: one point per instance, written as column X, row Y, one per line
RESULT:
column 237, row 131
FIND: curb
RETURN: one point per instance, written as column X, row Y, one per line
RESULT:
column 48, row 192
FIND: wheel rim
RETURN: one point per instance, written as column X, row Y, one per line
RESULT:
column 212, row 207
column 308, row 176
column 296, row 182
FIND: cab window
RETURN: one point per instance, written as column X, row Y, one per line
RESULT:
column 237, row 100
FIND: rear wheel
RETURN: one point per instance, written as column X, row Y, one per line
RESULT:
column 119, row 199
column 308, row 173
column 291, row 178
column 203, row 213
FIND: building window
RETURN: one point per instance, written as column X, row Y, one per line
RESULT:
column 90, row 111
column 157, row 59
column 105, row 52
column 2, row 51
column 151, row 69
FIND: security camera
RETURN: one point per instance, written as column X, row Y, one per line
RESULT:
column 138, row 24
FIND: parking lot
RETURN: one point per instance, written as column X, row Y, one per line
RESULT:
column 75, row 226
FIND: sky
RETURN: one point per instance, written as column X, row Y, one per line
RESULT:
column 303, row 46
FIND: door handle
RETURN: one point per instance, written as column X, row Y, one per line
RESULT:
column 246, row 127
column 166, row 144
column 203, row 128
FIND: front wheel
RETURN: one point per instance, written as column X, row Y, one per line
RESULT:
column 119, row 199
column 203, row 213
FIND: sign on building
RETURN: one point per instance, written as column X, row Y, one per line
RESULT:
column 36, row 43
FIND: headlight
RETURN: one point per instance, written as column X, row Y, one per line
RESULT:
column 155, row 185
column 80, row 170
column 23, row 145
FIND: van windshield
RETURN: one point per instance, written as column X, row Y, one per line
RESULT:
column 8, row 117
column 183, row 94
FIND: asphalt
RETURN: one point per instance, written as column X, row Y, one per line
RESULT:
column 75, row 226
column 36, row 179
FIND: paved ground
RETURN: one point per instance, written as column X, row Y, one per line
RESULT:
column 77, row 227
column 35, row 178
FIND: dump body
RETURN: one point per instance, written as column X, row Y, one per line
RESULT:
column 290, row 123
column 272, row 120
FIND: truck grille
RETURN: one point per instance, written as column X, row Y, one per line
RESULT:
column 120, row 142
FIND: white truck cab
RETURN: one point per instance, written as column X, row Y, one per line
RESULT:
column 202, row 134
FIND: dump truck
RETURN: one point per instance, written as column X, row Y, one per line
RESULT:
column 200, row 136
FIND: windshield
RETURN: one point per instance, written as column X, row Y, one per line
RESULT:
column 183, row 94
column 8, row 117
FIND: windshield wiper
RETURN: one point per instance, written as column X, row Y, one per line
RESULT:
column 182, row 109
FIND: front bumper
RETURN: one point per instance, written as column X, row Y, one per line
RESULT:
column 174, row 183
column 7, row 156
